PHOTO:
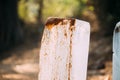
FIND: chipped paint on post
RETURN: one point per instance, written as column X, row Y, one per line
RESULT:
column 116, row 52
column 64, row 49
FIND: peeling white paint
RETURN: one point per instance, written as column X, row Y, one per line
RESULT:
column 64, row 50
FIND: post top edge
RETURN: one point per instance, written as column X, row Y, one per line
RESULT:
column 117, row 27
column 52, row 21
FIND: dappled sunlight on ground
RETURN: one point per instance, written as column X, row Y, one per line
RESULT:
column 23, row 63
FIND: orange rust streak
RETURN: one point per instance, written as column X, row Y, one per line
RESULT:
column 71, row 28
column 49, row 27
column 45, row 54
column 72, row 22
column 55, row 21
column 65, row 34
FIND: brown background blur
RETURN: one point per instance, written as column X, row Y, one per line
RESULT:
column 21, row 27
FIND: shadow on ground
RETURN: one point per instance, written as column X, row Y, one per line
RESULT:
column 22, row 61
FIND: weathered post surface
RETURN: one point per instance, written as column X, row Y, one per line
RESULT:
column 64, row 49
column 116, row 52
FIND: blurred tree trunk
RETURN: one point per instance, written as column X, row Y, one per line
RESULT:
column 40, row 11
column 9, row 29
column 108, row 14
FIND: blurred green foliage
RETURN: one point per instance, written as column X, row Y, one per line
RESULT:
column 22, row 9
column 28, row 10
column 100, row 13
column 60, row 8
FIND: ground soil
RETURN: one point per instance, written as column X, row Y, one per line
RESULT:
column 21, row 62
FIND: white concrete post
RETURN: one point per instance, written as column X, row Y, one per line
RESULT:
column 64, row 49
column 116, row 52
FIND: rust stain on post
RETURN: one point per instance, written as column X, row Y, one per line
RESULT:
column 70, row 57
column 45, row 54
column 71, row 28
column 65, row 34
column 72, row 22
column 55, row 21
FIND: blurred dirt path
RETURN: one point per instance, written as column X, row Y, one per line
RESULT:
column 22, row 64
